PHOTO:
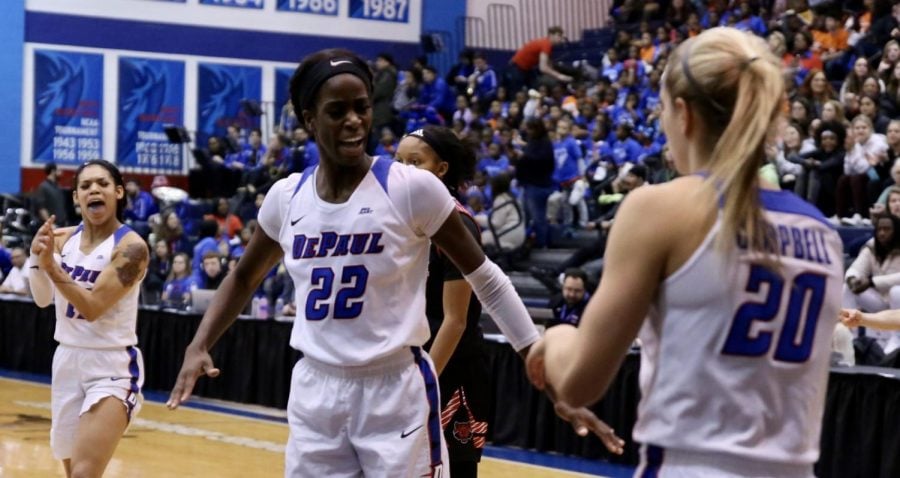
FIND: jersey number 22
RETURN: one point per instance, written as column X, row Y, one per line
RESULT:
column 347, row 301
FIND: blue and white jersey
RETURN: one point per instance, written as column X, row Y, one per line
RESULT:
column 359, row 267
column 116, row 327
column 735, row 353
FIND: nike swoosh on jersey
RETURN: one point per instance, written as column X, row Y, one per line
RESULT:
column 406, row 434
column 295, row 221
column 336, row 63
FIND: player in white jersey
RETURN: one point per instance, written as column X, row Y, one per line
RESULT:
column 734, row 286
column 354, row 235
column 93, row 273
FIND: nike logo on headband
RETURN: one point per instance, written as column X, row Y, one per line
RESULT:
column 338, row 62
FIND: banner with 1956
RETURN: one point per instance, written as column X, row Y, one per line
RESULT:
column 68, row 107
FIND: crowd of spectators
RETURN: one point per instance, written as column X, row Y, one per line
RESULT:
column 562, row 141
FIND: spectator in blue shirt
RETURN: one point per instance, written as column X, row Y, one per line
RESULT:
column 612, row 67
column 209, row 229
column 304, row 151
column 139, row 206
column 387, row 144
column 625, row 149
column 211, row 272
column 436, row 93
column 251, row 155
column 495, row 162
column 483, row 82
column 569, row 169
column 177, row 289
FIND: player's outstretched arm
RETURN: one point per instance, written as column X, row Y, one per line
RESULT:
column 261, row 255
column 885, row 320
column 497, row 295
column 490, row 284
column 580, row 364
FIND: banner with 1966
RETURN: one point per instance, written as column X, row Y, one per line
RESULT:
column 151, row 96
column 68, row 107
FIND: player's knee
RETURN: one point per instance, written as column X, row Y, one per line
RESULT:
column 85, row 469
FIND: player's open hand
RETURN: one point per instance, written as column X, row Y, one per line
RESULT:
column 585, row 421
column 196, row 364
column 851, row 317
column 43, row 243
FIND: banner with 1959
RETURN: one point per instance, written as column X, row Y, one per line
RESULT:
column 68, row 107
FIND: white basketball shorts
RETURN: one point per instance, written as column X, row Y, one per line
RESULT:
column 381, row 419
column 81, row 378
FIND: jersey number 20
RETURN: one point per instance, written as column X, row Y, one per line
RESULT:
column 347, row 303
column 806, row 289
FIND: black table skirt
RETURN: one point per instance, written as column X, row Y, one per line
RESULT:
column 860, row 431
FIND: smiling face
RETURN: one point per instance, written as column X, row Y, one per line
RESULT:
column 97, row 194
column 340, row 120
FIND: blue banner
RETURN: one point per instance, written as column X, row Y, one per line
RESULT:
column 257, row 4
column 151, row 96
column 68, row 107
column 319, row 7
column 220, row 90
column 381, row 10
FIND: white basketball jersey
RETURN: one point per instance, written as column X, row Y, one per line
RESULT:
column 116, row 327
column 736, row 355
column 359, row 267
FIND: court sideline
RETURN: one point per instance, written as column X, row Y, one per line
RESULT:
column 214, row 440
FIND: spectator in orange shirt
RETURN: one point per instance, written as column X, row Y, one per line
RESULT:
column 831, row 42
column 802, row 58
column 533, row 59
column 229, row 223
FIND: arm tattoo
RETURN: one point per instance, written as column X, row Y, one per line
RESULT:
column 135, row 255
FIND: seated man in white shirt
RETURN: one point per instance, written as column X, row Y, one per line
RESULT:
column 16, row 282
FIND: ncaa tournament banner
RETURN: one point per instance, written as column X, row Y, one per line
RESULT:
column 220, row 90
column 151, row 96
column 68, row 106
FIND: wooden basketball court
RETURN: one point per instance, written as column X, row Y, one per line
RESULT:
column 161, row 443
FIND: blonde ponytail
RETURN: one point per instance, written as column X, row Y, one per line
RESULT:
column 733, row 85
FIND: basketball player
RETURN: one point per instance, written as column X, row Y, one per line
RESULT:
column 354, row 235
column 740, row 285
column 93, row 273
column 453, row 314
